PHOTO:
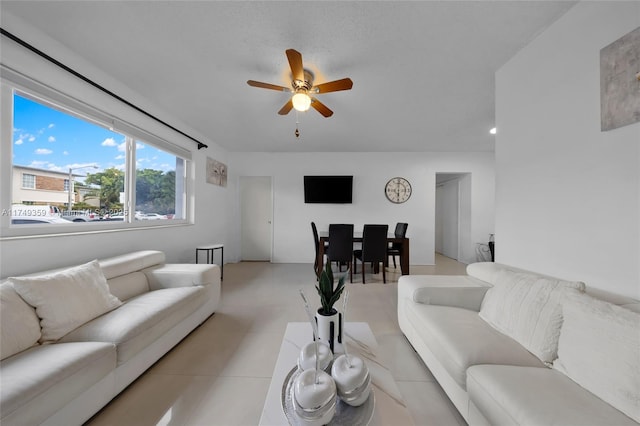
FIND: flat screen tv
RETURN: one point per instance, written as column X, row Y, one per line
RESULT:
column 328, row 189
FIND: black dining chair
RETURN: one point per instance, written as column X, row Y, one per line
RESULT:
column 395, row 249
column 341, row 245
column 316, row 243
column 374, row 249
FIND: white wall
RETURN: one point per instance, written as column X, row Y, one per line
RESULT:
column 371, row 171
column 21, row 255
column 567, row 194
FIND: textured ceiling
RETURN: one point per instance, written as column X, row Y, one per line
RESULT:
column 423, row 72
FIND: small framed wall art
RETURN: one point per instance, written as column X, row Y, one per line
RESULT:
column 216, row 172
column 620, row 82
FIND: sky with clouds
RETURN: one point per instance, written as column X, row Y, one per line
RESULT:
column 49, row 139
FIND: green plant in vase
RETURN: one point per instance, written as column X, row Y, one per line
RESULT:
column 329, row 294
column 328, row 319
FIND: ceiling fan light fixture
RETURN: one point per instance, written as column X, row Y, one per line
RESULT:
column 301, row 101
column 303, row 88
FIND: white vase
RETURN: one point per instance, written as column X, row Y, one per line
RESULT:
column 330, row 329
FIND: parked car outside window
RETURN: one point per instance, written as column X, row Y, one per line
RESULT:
column 79, row 215
column 30, row 220
column 153, row 216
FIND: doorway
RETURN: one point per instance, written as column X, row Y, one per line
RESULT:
column 256, row 212
column 453, row 215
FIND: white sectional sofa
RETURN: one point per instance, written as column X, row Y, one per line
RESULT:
column 73, row 338
column 511, row 347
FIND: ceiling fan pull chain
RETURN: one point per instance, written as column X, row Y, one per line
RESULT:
column 297, row 132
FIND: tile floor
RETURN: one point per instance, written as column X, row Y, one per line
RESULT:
column 220, row 373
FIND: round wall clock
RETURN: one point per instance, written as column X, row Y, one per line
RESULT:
column 397, row 190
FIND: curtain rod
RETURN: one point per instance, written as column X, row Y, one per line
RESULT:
column 94, row 84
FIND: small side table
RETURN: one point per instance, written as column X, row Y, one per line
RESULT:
column 210, row 249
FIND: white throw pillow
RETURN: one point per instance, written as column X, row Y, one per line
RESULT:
column 67, row 299
column 19, row 323
column 528, row 308
column 599, row 349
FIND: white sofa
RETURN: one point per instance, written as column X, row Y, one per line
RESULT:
column 64, row 380
column 581, row 363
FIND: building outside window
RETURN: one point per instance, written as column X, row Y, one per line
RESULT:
column 48, row 186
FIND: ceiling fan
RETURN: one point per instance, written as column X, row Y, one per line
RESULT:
column 302, row 87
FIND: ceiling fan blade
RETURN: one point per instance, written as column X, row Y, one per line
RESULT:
column 295, row 62
column 262, row 85
column 334, row 86
column 286, row 108
column 321, row 108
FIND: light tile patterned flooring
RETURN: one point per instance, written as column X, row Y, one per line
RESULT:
column 220, row 373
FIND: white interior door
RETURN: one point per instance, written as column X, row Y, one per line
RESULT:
column 256, row 209
column 447, row 207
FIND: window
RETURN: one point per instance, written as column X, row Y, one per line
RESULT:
column 79, row 164
column 158, row 192
column 28, row 181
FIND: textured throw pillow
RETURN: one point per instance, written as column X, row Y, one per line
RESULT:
column 67, row 299
column 528, row 308
column 599, row 349
column 20, row 327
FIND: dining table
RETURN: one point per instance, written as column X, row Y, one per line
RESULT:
column 357, row 238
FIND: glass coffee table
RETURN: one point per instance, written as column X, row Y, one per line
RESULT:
column 388, row 407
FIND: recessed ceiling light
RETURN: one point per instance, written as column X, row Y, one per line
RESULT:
column 493, row 131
